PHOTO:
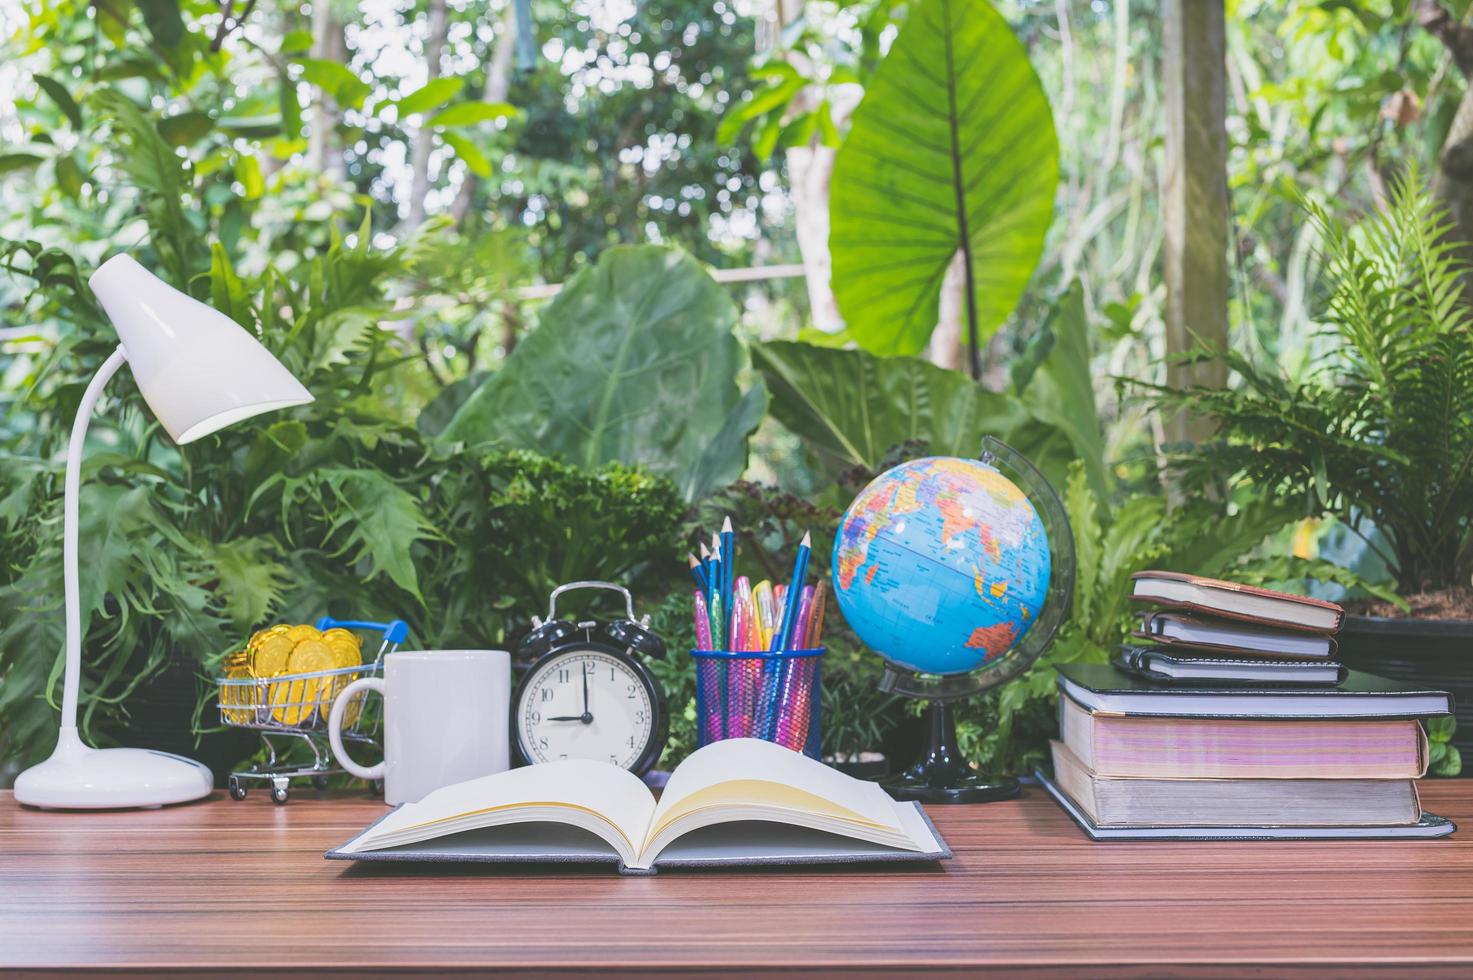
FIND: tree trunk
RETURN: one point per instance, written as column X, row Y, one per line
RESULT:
column 498, row 87
column 1196, row 203
column 424, row 140
column 328, row 43
column 1452, row 179
column 948, row 343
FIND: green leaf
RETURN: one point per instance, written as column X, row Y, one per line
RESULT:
column 474, row 159
column 430, row 95
column 186, row 127
column 851, row 408
column 227, row 293
column 1061, row 391
column 336, row 79
column 248, row 172
column 18, row 161
column 952, row 148
column 249, row 581
column 470, row 113
column 274, row 448
column 379, row 522
column 70, row 176
column 633, row 361
column 725, row 458
column 295, row 42
column 163, row 20
column 63, row 100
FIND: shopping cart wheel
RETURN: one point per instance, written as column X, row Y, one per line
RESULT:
column 319, row 782
column 237, row 789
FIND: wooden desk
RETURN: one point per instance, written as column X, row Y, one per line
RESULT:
column 243, row 885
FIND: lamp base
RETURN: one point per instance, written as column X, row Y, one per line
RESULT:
column 77, row 777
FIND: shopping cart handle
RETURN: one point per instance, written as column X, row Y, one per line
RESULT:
column 395, row 630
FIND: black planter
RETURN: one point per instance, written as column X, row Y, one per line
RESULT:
column 161, row 714
column 1436, row 654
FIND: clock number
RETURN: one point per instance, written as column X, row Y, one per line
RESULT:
column 639, row 717
column 537, row 718
column 589, row 666
column 611, row 674
column 563, row 676
column 632, row 690
column 542, row 742
column 631, row 741
column 547, row 694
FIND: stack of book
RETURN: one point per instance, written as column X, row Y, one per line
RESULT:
column 1207, row 630
column 1240, row 751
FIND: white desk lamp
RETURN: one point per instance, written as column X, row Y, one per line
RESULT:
column 199, row 372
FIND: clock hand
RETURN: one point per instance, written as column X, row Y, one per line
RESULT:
column 566, row 718
column 586, row 718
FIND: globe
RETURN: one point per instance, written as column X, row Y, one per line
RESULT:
column 941, row 566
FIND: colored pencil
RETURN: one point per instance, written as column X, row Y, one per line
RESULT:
column 784, row 637
column 728, row 559
column 703, row 623
column 697, row 572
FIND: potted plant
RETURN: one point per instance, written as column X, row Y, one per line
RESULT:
column 1377, row 432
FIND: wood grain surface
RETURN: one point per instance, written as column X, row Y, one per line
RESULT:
column 221, row 884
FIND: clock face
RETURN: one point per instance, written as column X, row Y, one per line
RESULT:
column 585, row 704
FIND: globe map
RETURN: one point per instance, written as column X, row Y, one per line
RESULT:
column 941, row 565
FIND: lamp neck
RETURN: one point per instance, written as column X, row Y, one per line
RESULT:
column 72, row 683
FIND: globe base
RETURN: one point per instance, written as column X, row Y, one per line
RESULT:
column 942, row 774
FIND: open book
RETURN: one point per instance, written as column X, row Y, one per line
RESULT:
column 739, row 801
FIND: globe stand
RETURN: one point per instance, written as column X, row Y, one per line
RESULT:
column 942, row 774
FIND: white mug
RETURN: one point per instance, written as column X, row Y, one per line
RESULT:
column 446, row 716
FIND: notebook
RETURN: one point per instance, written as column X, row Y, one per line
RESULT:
column 1233, row 601
column 1110, row 690
column 1193, row 632
column 1111, row 801
column 1430, row 825
column 1166, row 667
column 1238, row 748
column 734, row 802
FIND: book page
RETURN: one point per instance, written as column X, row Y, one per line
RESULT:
column 748, row 771
column 601, row 798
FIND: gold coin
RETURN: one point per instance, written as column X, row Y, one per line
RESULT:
column 345, row 654
column 338, row 633
column 310, row 656
column 269, row 659
column 299, row 633
column 234, row 697
column 291, row 700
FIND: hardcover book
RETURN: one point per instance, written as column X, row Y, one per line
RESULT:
column 1107, row 689
column 1167, row 667
column 1246, row 603
column 1430, row 825
column 1235, row 748
column 1111, row 801
column 1189, row 633
column 735, row 802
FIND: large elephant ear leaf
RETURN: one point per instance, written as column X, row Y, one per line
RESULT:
column 952, row 150
column 635, row 362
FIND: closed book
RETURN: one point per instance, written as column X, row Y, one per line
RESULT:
column 1108, row 689
column 1168, row 667
column 1186, row 633
column 1211, row 748
column 1114, row 802
column 1430, row 825
column 1246, row 603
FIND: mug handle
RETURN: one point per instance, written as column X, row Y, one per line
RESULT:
column 335, row 727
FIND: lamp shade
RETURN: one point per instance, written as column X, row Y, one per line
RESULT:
column 198, row 369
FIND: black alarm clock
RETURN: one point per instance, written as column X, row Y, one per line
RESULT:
column 587, row 694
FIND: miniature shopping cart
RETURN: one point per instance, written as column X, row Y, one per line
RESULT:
column 296, row 706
